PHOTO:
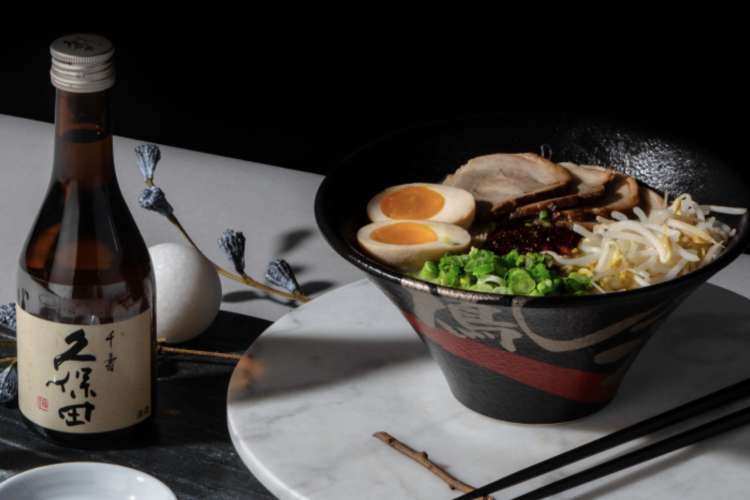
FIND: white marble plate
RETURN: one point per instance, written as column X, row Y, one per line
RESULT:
column 346, row 365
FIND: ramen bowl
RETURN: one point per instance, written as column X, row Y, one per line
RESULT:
column 529, row 359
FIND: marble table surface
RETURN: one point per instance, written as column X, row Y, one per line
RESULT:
column 191, row 451
column 331, row 373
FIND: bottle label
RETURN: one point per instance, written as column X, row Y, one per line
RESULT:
column 84, row 378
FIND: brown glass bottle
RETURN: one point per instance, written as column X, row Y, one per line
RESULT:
column 86, row 327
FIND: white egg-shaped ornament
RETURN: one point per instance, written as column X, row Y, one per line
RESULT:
column 188, row 292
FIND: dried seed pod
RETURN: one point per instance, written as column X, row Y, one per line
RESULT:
column 8, row 384
column 280, row 273
column 8, row 316
column 233, row 244
column 153, row 198
column 147, row 156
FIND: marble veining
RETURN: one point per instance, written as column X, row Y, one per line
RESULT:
column 346, row 365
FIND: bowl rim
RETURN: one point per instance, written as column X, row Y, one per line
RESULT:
column 79, row 469
column 359, row 259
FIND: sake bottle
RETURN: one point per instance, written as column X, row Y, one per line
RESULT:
column 85, row 308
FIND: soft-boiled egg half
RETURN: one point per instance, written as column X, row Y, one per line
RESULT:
column 420, row 201
column 408, row 244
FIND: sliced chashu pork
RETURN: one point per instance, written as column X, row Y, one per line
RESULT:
column 502, row 182
column 621, row 194
column 588, row 182
column 650, row 199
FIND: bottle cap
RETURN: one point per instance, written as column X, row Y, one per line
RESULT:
column 82, row 63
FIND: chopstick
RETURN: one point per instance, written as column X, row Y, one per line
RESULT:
column 694, row 435
column 676, row 415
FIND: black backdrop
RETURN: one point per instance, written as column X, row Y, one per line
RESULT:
column 304, row 97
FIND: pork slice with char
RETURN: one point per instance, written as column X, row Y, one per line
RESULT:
column 502, row 182
column 590, row 179
column 621, row 194
column 589, row 182
column 650, row 199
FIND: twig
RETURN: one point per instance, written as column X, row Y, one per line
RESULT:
column 160, row 348
column 244, row 278
column 422, row 459
column 7, row 343
column 8, row 359
column 195, row 352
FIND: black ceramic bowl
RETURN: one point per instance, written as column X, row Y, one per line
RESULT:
column 522, row 359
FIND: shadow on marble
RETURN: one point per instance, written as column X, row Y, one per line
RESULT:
column 319, row 365
column 293, row 239
column 723, row 444
column 298, row 268
column 303, row 363
column 314, row 287
column 192, row 408
column 703, row 347
column 243, row 296
column 18, row 459
column 230, row 331
column 249, row 295
column 309, row 288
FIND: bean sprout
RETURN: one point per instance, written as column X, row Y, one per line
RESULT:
column 623, row 253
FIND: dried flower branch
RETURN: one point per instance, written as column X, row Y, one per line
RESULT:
column 280, row 273
column 161, row 348
column 153, row 198
column 9, row 383
column 247, row 280
column 8, row 316
column 422, row 459
column 147, row 156
column 233, row 244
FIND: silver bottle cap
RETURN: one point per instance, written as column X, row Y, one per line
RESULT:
column 82, row 63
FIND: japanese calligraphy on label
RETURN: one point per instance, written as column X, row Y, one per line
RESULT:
column 84, row 378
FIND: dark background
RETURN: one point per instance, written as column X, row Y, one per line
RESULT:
column 303, row 97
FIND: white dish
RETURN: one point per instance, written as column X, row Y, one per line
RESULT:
column 328, row 375
column 84, row 481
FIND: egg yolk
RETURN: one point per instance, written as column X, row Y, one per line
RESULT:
column 412, row 202
column 404, row 233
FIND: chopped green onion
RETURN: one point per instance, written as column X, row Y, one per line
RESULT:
column 520, row 281
column 429, row 271
column 531, row 274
